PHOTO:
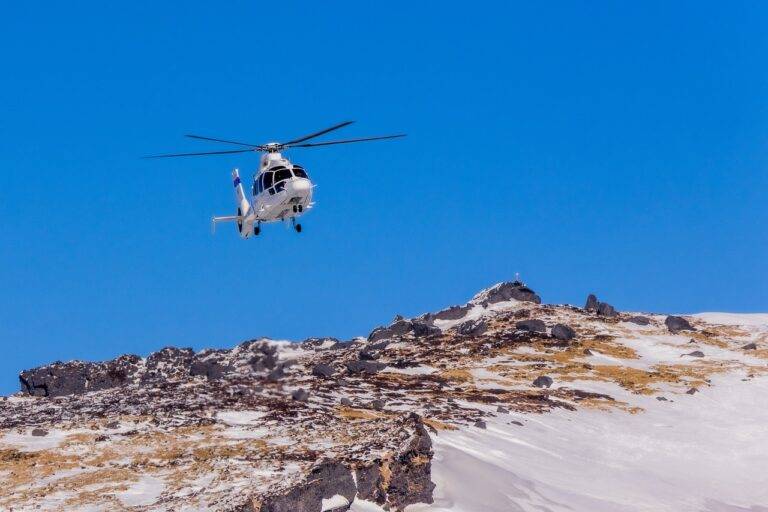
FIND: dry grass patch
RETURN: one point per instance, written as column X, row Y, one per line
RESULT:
column 457, row 375
column 351, row 413
column 438, row 425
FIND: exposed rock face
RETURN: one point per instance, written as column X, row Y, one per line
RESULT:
column 472, row 327
column 76, row 377
column 402, row 327
column 508, row 291
column 452, row 313
column 591, row 304
column 543, row 382
column 323, row 370
column 325, row 481
column 676, row 324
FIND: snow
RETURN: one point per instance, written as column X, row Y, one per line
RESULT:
column 751, row 319
column 697, row 453
column 235, row 418
column 144, row 492
column 336, row 502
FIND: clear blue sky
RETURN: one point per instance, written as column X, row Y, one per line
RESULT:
column 613, row 148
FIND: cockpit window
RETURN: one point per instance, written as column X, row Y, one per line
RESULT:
column 267, row 179
column 299, row 172
column 282, row 174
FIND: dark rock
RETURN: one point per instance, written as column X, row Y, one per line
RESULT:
column 502, row 410
column 588, row 352
column 676, row 324
column 692, row 391
column 424, row 329
column 370, row 483
column 563, row 332
column 591, row 304
column 317, row 343
column 39, row 432
column 367, row 355
column 515, row 422
column 452, row 313
column 695, row 353
column 506, row 291
column 325, row 481
column 410, row 471
column 365, row 367
column 276, row 374
column 300, row 395
column 346, row 402
column 531, row 325
column 543, row 381
column 472, row 327
column 480, row 424
column 661, row 399
column 399, row 328
column 113, row 425
column 639, row 320
column 322, row 370
column 377, row 404
column 605, row 309
column 749, row 346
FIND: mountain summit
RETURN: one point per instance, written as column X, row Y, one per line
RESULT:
column 499, row 404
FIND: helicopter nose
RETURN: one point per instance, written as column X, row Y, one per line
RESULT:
column 301, row 186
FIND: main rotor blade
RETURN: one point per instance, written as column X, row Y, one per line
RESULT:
column 221, row 140
column 200, row 154
column 313, row 144
column 317, row 134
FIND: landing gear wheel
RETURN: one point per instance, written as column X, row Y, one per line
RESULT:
column 298, row 228
column 300, row 208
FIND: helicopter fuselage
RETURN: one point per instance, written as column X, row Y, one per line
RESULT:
column 281, row 191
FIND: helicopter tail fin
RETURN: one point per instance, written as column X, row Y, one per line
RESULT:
column 243, row 205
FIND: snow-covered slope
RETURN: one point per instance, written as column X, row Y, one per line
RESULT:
column 505, row 403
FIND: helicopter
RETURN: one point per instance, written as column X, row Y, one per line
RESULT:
column 282, row 190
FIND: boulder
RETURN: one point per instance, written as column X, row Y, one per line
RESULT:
column 695, row 353
column 639, row 320
column 563, row 332
column 676, row 324
column 410, row 470
column 322, row 370
column 601, row 308
column 692, row 391
column 365, row 367
column 605, row 309
column 502, row 410
column 377, row 404
column 480, row 424
column 39, row 432
column 346, row 402
column 472, row 327
column 749, row 346
column 300, row 395
column 531, row 325
column 543, row 381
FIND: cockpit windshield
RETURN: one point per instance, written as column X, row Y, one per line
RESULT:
column 282, row 174
column 299, row 171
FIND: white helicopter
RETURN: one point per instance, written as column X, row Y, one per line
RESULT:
column 281, row 190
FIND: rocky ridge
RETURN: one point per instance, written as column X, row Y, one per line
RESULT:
column 314, row 426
